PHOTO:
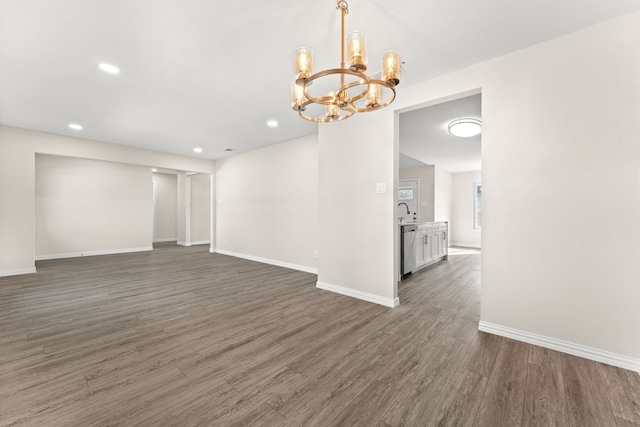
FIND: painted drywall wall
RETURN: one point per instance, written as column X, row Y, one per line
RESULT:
column 200, row 208
column 427, row 179
column 561, row 193
column 18, row 207
column 18, row 148
column 267, row 204
column 461, row 226
column 442, row 194
column 184, row 205
column 357, row 232
column 91, row 207
column 563, row 164
column 166, row 209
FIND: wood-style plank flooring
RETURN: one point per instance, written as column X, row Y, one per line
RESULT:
column 182, row 337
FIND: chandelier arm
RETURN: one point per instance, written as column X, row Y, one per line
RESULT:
column 348, row 110
column 362, row 80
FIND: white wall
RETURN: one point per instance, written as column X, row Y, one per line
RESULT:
column 358, row 231
column 200, row 208
column 267, row 204
column 442, row 195
column 561, row 193
column 91, row 207
column 166, row 207
column 561, row 186
column 17, row 207
column 184, row 203
column 18, row 148
column 427, row 181
column 461, row 226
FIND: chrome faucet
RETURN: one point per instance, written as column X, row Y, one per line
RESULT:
column 406, row 206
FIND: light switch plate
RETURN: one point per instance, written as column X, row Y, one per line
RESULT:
column 381, row 188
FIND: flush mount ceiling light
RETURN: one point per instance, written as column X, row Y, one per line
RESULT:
column 109, row 68
column 465, row 127
column 339, row 93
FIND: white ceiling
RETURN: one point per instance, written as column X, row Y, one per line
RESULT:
column 211, row 73
column 425, row 137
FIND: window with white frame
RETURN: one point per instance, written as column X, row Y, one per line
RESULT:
column 477, row 206
column 405, row 193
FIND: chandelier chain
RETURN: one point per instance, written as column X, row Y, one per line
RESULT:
column 342, row 4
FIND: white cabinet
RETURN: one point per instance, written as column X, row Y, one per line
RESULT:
column 432, row 243
column 439, row 243
column 423, row 249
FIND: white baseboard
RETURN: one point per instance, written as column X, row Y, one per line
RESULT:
column 169, row 239
column 17, row 272
column 579, row 350
column 199, row 242
column 93, row 253
column 268, row 261
column 465, row 245
column 387, row 302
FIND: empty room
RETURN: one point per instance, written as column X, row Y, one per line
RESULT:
column 320, row 212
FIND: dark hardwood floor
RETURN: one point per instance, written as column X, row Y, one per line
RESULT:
column 182, row 337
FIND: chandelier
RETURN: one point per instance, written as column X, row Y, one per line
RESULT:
column 338, row 93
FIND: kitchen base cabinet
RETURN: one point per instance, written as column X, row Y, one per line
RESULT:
column 432, row 243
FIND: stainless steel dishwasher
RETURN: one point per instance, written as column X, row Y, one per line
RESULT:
column 408, row 249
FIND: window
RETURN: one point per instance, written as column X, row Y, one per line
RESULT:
column 405, row 193
column 477, row 206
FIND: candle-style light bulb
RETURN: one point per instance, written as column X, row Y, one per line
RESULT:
column 298, row 99
column 373, row 96
column 303, row 65
column 357, row 51
column 391, row 67
column 331, row 110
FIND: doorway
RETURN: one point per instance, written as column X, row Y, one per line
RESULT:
column 448, row 166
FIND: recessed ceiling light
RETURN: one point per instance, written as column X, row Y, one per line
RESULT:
column 154, row 170
column 465, row 127
column 75, row 126
column 272, row 123
column 109, row 68
column 197, row 150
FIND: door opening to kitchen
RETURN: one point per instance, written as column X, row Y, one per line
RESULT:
column 438, row 206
